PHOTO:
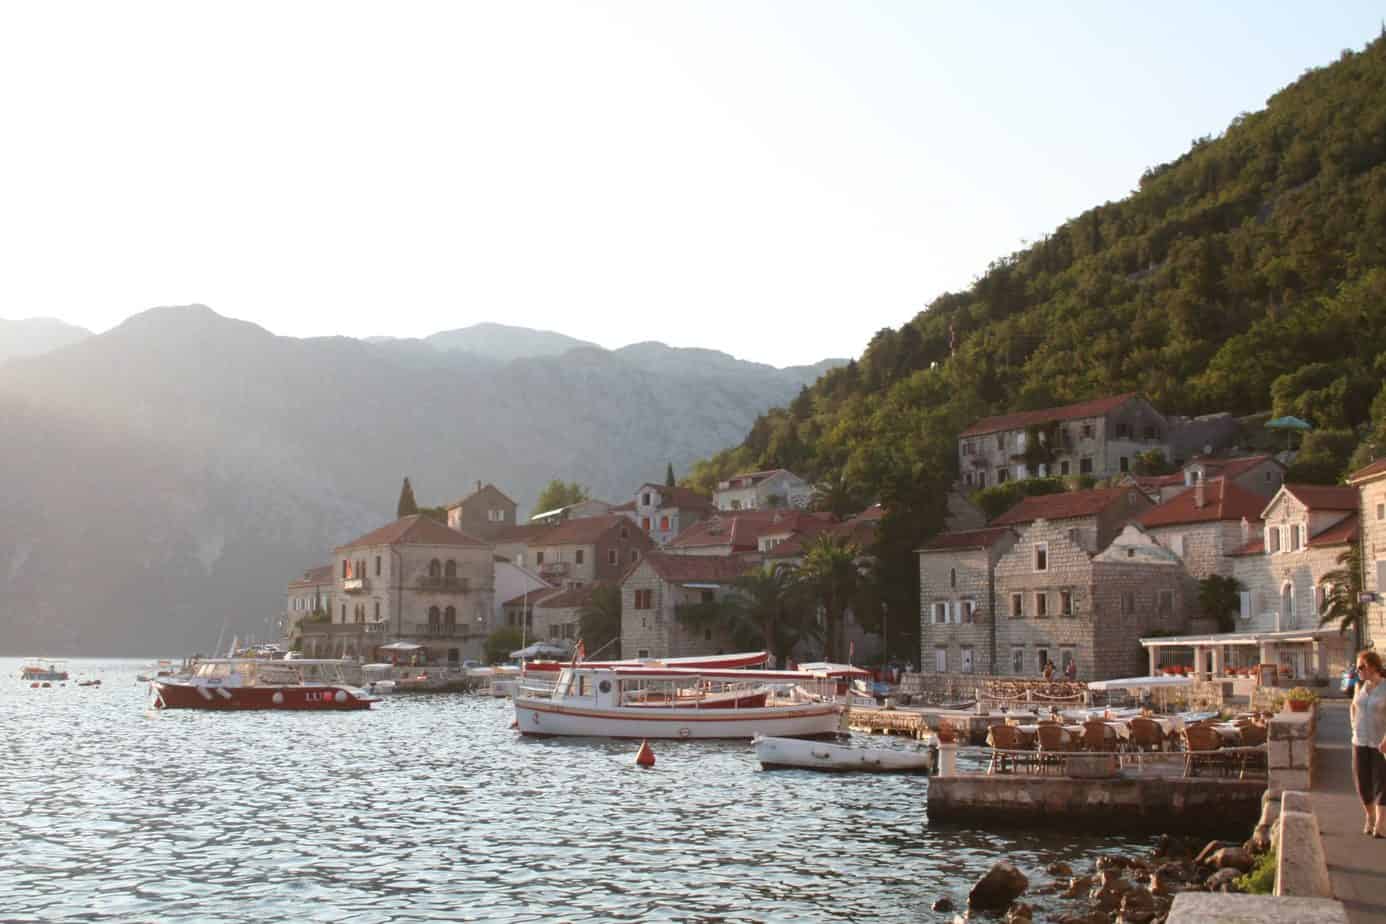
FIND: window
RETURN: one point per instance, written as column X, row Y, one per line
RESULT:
column 968, row 448
column 1001, row 475
column 1065, row 603
column 1294, row 538
column 1043, row 655
column 450, row 570
column 707, row 635
column 435, row 569
column 1380, row 509
column 1124, row 464
column 1123, row 431
column 1176, row 545
column 1244, row 598
column 624, row 533
column 642, row 653
column 1017, row 606
column 981, row 479
column 967, row 478
column 1017, row 660
column 343, row 612
column 580, row 556
column 538, row 558
column 450, row 616
column 644, row 522
column 969, row 611
column 377, row 566
column 612, row 556
column 434, row 616
column 553, row 630
column 645, row 499
column 967, row 660
column 1151, row 433
column 940, row 660
column 1272, row 540
column 1085, row 465
column 634, row 555
column 952, row 577
column 664, row 522
column 706, row 596
column 1128, row 602
column 1066, row 658
column 1001, row 441
column 1041, row 556
column 346, row 569
column 940, row 613
column 1087, row 431
column 1165, row 604
column 1063, row 467
column 495, row 516
column 644, row 599
column 1041, row 605
column 377, row 611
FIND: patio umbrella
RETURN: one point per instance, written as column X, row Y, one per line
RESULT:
column 1288, row 424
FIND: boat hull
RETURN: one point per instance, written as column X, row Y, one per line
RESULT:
column 542, row 717
column 779, row 753
column 50, row 676
column 324, row 698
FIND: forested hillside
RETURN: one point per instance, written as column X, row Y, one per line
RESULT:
column 1247, row 275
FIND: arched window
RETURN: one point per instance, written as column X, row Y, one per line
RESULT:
column 377, row 611
column 433, row 615
column 450, row 569
column 1287, row 606
column 952, row 577
column 435, row 568
column 450, row 616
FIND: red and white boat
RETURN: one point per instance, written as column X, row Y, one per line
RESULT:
column 719, row 662
column 642, row 701
column 253, row 683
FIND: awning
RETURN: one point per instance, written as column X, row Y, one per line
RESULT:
column 1139, row 683
column 541, row 649
column 400, row 646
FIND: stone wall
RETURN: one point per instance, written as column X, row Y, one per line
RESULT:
column 1373, row 519
column 1290, row 750
column 953, row 577
column 656, row 632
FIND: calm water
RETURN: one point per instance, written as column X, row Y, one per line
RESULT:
column 432, row 808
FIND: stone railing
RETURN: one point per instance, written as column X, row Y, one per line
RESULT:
column 1290, row 750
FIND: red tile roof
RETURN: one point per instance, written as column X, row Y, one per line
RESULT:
column 628, row 505
column 322, row 574
column 1065, row 505
column 1374, row 470
column 683, row 498
column 1231, row 468
column 1325, row 496
column 533, row 597
column 743, row 529
column 860, row 531
column 685, row 569
column 415, row 530
column 1340, row 533
column 586, row 530
column 752, row 478
column 1222, row 500
column 1094, row 408
column 967, row 539
column 459, row 503
column 521, row 532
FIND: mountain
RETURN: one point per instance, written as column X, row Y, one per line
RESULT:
column 503, row 342
column 33, row 336
column 173, row 474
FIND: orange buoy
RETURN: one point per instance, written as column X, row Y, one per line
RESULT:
column 515, row 723
column 645, row 756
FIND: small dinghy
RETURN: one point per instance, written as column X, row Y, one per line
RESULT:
column 799, row 754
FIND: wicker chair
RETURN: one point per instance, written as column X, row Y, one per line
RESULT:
column 1097, row 736
column 1201, row 744
column 1006, row 738
column 1053, row 745
column 1146, row 735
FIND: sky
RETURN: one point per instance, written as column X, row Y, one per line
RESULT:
column 777, row 180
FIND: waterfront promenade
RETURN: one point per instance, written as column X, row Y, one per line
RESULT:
column 1356, row 863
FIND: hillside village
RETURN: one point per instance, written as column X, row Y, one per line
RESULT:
column 1099, row 582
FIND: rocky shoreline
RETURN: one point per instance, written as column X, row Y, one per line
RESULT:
column 1117, row 890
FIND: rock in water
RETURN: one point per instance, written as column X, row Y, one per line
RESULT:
column 1222, row 880
column 944, row 904
column 1001, row 885
column 1059, row 869
column 1232, row 858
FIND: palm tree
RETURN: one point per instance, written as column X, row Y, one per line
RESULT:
column 1343, row 601
column 833, row 495
column 599, row 622
column 758, row 611
column 832, row 573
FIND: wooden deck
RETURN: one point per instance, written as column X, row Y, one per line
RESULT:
column 887, row 721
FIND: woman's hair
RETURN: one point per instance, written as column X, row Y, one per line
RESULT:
column 1371, row 658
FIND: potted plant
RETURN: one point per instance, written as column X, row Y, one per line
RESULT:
column 1301, row 699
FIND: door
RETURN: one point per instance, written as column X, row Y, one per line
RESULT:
column 967, row 660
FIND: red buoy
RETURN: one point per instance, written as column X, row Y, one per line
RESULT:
column 645, row 756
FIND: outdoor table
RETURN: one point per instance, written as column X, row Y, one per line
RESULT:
column 1230, row 733
column 1121, row 729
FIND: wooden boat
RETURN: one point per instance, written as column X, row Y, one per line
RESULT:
column 223, row 684
column 598, row 702
column 44, row 670
column 711, row 662
column 792, row 753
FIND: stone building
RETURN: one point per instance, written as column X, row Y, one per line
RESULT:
column 483, row 513
column 414, row 580
column 1260, row 474
column 552, row 616
column 653, row 589
column 1093, row 518
column 664, row 512
column 583, row 551
column 958, row 601
column 748, row 531
column 308, row 595
column 1370, row 483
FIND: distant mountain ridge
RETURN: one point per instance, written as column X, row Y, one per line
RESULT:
column 193, row 463
column 35, row 336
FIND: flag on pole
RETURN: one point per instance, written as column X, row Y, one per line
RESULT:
column 851, row 650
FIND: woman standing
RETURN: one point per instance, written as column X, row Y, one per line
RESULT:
column 1369, row 741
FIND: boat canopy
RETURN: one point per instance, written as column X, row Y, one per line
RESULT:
column 1139, row 683
column 400, row 646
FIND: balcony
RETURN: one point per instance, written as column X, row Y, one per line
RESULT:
column 451, row 585
column 355, row 585
column 553, row 569
column 440, row 630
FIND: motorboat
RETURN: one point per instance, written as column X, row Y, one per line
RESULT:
column 796, row 754
column 717, row 662
column 43, row 670
column 255, row 683
column 672, row 702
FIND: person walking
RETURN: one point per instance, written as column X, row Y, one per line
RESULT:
column 1368, row 712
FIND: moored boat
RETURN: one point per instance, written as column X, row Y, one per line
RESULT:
column 252, row 683
column 43, row 670
column 675, row 702
column 795, row 754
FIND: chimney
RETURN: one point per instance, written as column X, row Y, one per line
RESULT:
column 1199, row 499
column 1246, row 531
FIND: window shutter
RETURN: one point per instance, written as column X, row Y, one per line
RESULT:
column 1246, row 604
column 1381, row 576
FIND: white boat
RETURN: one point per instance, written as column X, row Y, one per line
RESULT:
column 43, row 670
column 793, row 753
column 673, row 702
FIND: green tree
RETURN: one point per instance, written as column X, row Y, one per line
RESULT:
column 560, row 494
column 1153, row 462
column 406, row 506
column 1342, row 603
column 501, row 642
column 832, row 494
column 1219, row 598
column 764, row 608
column 435, row 513
column 832, row 574
column 599, row 622
column 669, row 480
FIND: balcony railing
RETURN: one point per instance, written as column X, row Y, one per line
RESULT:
column 439, row 630
column 455, row 585
column 355, row 585
column 554, row 568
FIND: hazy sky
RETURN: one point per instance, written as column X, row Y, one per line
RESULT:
column 777, row 180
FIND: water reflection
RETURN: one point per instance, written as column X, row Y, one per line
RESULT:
column 433, row 809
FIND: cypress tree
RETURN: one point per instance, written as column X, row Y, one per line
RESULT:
column 407, row 506
column 669, row 476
